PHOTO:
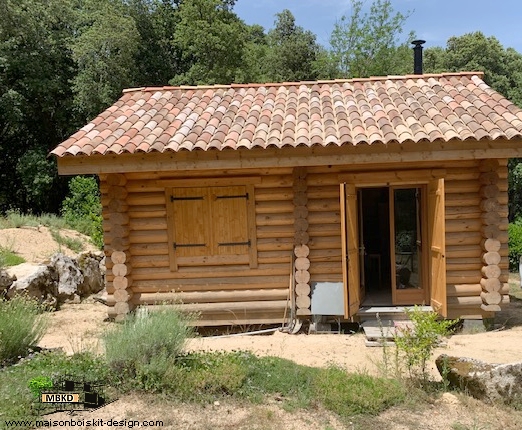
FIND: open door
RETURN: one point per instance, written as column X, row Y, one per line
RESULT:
column 437, row 246
column 350, row 249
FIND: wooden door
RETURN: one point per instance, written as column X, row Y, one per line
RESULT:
column 350, row 249
column 436, row 230
column 362, row 249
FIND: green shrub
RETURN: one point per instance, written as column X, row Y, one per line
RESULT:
column 415, row 345
column 146, row 345
column 82, row 208
column 515, row 243
column 22, row 325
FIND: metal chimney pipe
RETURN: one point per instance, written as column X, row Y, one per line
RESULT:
column 417, row 56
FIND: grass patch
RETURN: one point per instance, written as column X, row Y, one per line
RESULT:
column 9, row 258
column 72, row 243
column 16, row 398
column 22, row 325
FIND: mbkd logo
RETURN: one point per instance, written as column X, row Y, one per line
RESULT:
column 60, row 398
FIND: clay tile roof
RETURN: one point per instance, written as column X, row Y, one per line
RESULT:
column 370, row 111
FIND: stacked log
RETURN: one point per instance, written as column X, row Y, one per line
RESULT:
column 491, row 294
column 301, row 238
column 118, row 246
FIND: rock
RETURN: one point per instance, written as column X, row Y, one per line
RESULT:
column 484, row 381
column 69, row 276
column 63, row 280
column 6, row 280
column 39, row 282
column 92, row 266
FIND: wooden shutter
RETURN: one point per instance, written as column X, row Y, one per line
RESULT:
column 229, row 220
column 189, row 213
column 437, row 243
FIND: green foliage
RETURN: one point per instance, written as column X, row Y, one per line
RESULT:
column 354, row 394
column 367, row 44
column 104, row 50
column 211, row 38
column 292, row 51
column 18, row 397
column 146, row 345
column 22, row 325
column 514, row 188
column 40, row 384
column 9, row 258
column 72, row 243
column 415, row 345
column 82, row 208
column 203, row 376
column 515, row 243
column 37, row 174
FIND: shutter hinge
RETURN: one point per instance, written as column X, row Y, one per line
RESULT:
column 187, row 245
column 241, row 196
column 172, row 198
column 234, row 243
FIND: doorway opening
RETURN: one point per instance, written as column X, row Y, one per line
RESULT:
column 391, row 238
column 374, row 240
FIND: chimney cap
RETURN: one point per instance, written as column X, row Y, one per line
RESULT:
column 418, row 42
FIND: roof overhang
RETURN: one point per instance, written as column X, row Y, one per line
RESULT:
column 364, row 155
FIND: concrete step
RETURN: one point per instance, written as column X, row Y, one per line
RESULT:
column 369, row 313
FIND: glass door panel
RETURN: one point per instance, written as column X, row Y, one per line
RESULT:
column 406, row 245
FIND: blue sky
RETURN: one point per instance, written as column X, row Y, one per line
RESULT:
column 432, row 20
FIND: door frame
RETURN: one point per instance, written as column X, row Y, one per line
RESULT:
column 433, row 179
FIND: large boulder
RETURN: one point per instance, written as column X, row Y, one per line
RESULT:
column 484, row 381
column 37, row 281
column 64, row 279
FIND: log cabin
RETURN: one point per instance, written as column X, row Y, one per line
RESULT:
column 252, row 204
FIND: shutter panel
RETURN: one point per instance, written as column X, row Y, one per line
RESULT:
column 190, row 208
column 229, row 220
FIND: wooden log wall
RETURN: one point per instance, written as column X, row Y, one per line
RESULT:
column 297, row 213
column 222, row 295
column 117, row 229
column 476, row 207
column 301, row 250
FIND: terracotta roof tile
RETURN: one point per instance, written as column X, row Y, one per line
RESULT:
column 394, row 109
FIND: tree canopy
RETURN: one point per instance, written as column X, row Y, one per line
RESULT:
column 64, row 61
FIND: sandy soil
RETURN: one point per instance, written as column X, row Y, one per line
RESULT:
column 36, row 245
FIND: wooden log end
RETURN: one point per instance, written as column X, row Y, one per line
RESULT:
column 493, row 298
column 302, row 289
column 122, row 308
column 301, row 251
column 118, row 257
column 490, row 308
column 121, row 269
column 491, row 244
column 302, row 263
column 491, row 258
column 117, row 179
column 490, row 285
column 303, row 302
column 491, row 271
column 303, row 312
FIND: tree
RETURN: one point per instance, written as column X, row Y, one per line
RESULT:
column 104, row 51
column 35, row 96
column 158, row 58
column 292, row 51
column 367, row 44
column 211, row 38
